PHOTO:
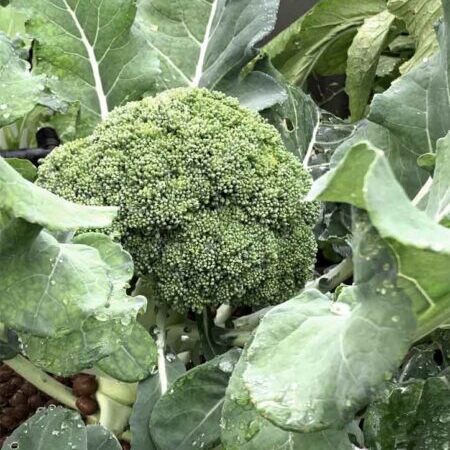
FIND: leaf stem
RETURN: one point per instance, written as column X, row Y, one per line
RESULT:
column 224, row 312
column 42, row 381
column 161, row 346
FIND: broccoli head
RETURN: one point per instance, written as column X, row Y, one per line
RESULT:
column 210, row 201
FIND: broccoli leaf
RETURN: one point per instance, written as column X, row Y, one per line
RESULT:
column 99, row 438
column 149, row 392
column 208, row 43
column 420, row 17
column 243, row 428
column 407, row 120
column 135, row 360
column 366, row 334
column 297, row 118
column 12, row 21
column 9, row 344
column 24, row 200
column 363, row 57
column 92, row 50
column 323, row 35
column 50, row 429
column 20, row 91
column 364, row 179
column 97, row 329
column 438, row 204
column 188, row 414
column 413, row 415
column 26, row 168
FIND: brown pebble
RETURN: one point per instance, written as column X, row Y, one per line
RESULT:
column 87, row 405
column 7, row 420
column 19, row 398
column 84, row 386
column 17, row 382
column 7, row 390
column 5, row 373
column 35, row 401
column 28, row 389
column 20, row 412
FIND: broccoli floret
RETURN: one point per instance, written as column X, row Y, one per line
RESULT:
column 210, row 201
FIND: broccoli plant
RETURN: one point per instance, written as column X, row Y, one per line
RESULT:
column 210, row 203
column 194, row 175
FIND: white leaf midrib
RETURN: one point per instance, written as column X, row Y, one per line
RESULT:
column 204, row 46
column 102, row 100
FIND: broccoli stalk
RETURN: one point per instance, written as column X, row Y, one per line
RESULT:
column 210, row 201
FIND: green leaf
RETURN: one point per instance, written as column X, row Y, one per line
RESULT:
column 438, row 206
column 9, row 345
column 188, row 415
column 243, row 428
column 120, row 264
column 90, row 46
column 388, row 66
column 51, row 288
column 24, row 200
column 135, row 360
column 50, row 429
column 366, row 333
column 99, row 438
column 420, row 245
column 20, row 91
column 296, row 50
column 420, row 17
column 297, row 118
column 208, row 43
column 149, row 392
column 413, row 415
column 363, row 57
column 408, row 119
column 12, row 21
column 26, row 168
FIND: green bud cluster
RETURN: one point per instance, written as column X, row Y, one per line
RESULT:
column 210, row 201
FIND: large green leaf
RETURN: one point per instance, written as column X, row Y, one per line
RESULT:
column 413, row 415
column 12, row 21
column 90, row 46
column 243, row 428
column 51, row 288
column 407, row 120
column 99, row 438
column 50, row 429
column 420, row 245
column 420, row 17
column 149, row 392
column 438, row 204
column 24, row 200
column 135, row 360
column 206, row 43
column 297, row 118
column 96, row 329
column 20, row 90
column 188, row 415
column 296, row 51
column 329, row 357
column 363, row 57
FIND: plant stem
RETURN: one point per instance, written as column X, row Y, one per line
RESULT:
column 224, row 312
column 334, row 277
column 161, row 345
column 42, row 381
